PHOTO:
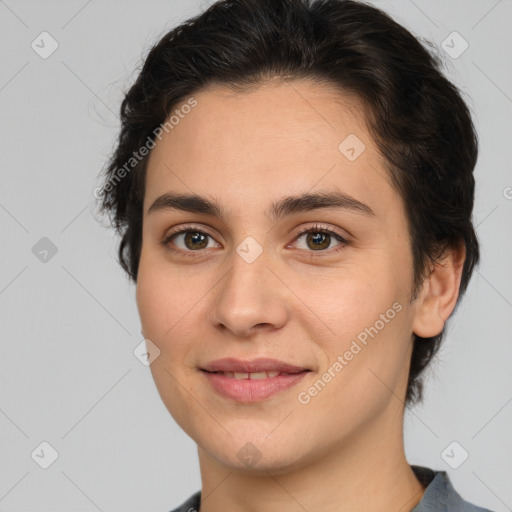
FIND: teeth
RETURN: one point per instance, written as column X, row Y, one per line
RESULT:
column 259, row 375
column 251, row 376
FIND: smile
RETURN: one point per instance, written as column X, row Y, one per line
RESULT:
column 252, row 387
column 251, row 376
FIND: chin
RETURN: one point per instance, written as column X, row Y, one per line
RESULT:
column 245, row 456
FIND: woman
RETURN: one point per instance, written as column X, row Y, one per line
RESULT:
column 293, row 185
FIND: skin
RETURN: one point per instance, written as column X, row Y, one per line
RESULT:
column 344, row 449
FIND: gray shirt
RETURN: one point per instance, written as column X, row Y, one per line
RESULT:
column 439, row 496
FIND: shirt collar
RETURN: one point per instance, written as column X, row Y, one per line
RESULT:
column 440, row 495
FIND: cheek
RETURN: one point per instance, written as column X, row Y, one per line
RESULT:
column 165, row 310
column 154, row 297
column 365, row 365
column 364, row 320
column 169, row 300
column 348, row 299
column 149, row 300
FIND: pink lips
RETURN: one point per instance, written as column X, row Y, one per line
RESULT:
column 231, row 364
column 246, row 389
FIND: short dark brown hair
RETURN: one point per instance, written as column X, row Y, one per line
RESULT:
column 416, row 116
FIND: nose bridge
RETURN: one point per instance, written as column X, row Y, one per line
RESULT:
column 250, row 294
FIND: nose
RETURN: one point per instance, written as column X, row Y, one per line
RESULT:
column 250, row 297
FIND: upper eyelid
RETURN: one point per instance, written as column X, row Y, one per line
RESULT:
column 183, row 229
column 318, row 227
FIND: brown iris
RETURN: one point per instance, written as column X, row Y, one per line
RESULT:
column 319, row 240
column 197, row 240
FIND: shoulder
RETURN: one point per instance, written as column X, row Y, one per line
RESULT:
column 440, row 495
column 191, row 505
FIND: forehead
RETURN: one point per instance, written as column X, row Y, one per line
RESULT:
column 276, row 139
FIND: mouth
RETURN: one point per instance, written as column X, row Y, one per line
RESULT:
column 252, row 381
column 231, row 365
column 253, row 375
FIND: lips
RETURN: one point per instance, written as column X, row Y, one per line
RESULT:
column 251, row 390
column 250, row 376
column 252, row 381
column 256, row 366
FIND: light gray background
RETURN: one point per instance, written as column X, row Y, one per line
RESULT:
column 68, row 375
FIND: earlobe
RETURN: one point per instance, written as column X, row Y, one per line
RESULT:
column 438, row 296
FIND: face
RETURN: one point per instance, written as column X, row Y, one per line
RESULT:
column 243, row 280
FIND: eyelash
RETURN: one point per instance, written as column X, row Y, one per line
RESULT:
column 312, row 229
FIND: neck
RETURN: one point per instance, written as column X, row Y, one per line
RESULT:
column 367, row 472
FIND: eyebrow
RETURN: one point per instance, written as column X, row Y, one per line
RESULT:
column 279, row 209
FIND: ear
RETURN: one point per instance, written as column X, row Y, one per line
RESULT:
column 440, row 290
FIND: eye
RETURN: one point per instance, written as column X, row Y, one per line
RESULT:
column 318, row 239
column 188, row 239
